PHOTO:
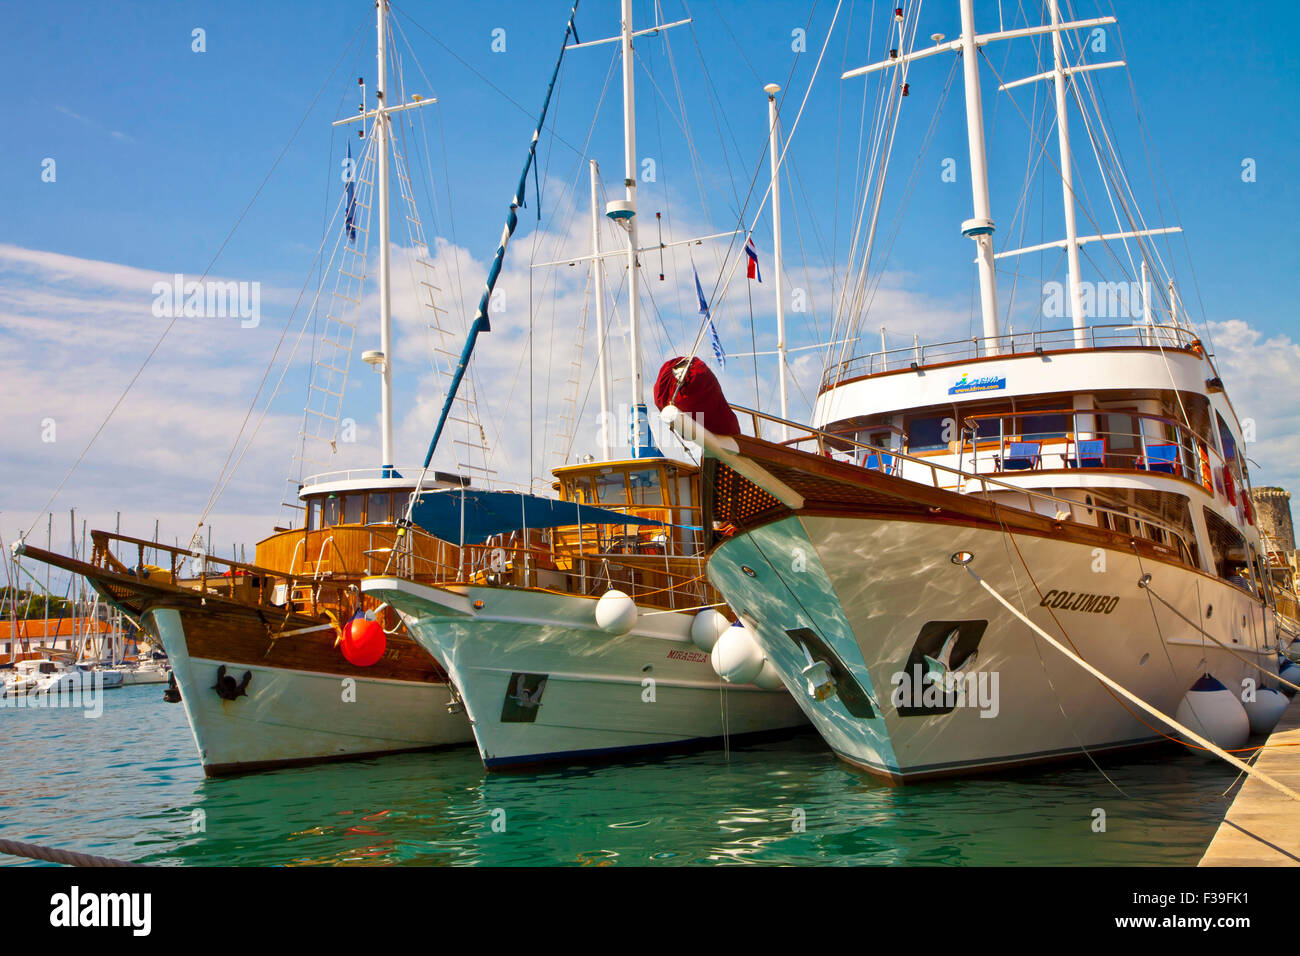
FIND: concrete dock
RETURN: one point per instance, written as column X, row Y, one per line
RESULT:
column 1262, row 827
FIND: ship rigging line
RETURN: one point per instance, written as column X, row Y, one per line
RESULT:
column 463, row 62
column 1012, row 538
column 716, row 298
column 225, row 475
column 1114, row 685
column 1152, row 594
column 212, row 262
column 1007, row 538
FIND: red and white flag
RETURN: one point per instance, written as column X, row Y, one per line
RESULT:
column 752, row 252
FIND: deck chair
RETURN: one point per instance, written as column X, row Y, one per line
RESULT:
column 881, row 462
column 1023, row 455
column 1091, row 453
column 1163, row 458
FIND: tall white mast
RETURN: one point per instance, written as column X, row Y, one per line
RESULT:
column 774, row 136
column 980, row 227
column 385, row 302
column 598, row 276
column 1067, row 177
column 629, row 181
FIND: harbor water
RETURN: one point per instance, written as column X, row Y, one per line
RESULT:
column 128, row 785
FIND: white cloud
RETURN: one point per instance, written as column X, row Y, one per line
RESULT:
column 1260, row 373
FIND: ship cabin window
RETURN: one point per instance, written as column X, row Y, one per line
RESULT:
column 610, row 488
column 577, row 489
column 354, row 507
column 1052, row 423
column 1228, row 550
column 313, row 514
column 1113, row 521
column 685, row 492
column 929, row 434
column 331, row 513
column 1229, row 446
column 1261, row 573
column 379, row 508
column 646, row 488
column 1120, row 429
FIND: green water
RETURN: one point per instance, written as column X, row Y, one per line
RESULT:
column 128, row 785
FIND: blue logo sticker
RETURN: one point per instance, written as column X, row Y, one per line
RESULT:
column 989, row 383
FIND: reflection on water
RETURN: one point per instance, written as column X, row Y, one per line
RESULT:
column 128, row 785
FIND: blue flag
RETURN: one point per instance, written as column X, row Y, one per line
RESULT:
column 352, row 198
column 718, row 353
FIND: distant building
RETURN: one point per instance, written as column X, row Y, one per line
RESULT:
column 1273, row 508
column 58, row 633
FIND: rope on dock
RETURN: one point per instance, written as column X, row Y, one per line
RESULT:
column 34, row 851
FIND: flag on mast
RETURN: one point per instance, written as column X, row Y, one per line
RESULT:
column 751, row 251
column 718, row 353
column 351, row 175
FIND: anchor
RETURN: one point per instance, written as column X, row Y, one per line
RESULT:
column 227, row 688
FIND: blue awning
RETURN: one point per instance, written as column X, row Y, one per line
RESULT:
column 499, row 512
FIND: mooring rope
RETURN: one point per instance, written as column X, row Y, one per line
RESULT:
column 1145, row 584
column 1155, row 712
column 34, row 851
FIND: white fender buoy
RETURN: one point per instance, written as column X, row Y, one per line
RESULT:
column 1215, row 713
column 616, row 613
column 768, row 678
column 1265, row 710
column 1288, row 671
column 707, row 626
column 736, row 657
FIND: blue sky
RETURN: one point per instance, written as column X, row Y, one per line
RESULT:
column 159, row 149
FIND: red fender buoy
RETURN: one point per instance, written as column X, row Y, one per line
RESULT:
column 363, row 642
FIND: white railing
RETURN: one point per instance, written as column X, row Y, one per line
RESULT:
column 1019, row 343
column 946, row 478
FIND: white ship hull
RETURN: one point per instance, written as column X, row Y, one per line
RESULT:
column 866, row 588
column 602, row 695
column 297, row 716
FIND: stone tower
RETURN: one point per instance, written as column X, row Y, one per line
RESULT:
column 1273, row 506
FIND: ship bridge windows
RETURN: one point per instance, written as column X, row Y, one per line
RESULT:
column 313, row 514
column 332, row 509
column 611, row 488
column 645, row 488
column 379, row 507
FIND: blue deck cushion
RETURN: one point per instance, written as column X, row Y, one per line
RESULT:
column 880, row 462
column 1092, row 453
column 1022, row 455
column 1163, row 458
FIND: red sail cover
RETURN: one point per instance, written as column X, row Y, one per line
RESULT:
column 699, row 396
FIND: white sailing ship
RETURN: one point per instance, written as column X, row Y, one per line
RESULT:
column 1092, row 478
column 570, row 634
